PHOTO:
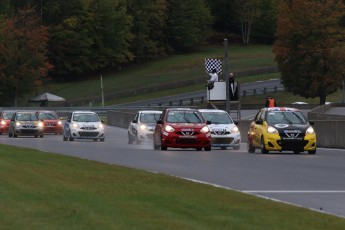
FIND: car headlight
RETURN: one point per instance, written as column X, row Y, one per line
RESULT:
column 3, row 122
column 17, row 123
column 235, row 130
column 169, row 129
column 310, row 130
column 40, row 124
column 143, row 127
column 205, row 129
column 271, row 130
column 101, row 126
column 59, row 123
column 75, row 125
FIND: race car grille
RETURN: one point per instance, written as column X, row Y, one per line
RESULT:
column 184, row 141
column 30, row 126
column 222, row 140
column 50, row 124
column 28, row 131
column 88, row 134
column 88, row 128
column 220, row 132
column 187, row 133
column 292, row 144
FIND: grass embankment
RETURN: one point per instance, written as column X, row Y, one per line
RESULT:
column 175, row 68
column 49, row 191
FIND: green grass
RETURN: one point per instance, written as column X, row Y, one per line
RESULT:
column 40, row 190
column 162, row 70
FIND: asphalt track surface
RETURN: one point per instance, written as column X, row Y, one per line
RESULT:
column 311, row 181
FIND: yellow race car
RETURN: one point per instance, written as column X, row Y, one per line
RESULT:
column 281, row 129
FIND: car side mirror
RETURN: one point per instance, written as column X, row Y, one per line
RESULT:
column 135, row 121
column 236, row 122
column 311, row 122
column 160, row 122
column 69, row 120
column 208, row 122
column 259, row 122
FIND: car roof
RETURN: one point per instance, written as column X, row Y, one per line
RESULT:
column 182, row 109
column 212, row 110
column 285, row 109
column 83, row 112
column 150, row 111
column 45, row 111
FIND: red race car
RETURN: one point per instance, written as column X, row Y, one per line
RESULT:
column 52, row 123
column 182, row 128
column 5, row 119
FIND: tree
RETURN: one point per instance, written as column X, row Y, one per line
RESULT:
column 188, row 24
column 265, row 25
column 246, row 11
column 309, row 48
column 23, row 59
column 148, row 24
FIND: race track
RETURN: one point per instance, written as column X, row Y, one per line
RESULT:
column 312, row 181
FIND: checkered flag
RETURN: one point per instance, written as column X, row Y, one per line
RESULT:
column 212, row 63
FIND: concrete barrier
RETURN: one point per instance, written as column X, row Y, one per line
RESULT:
column 330, row 134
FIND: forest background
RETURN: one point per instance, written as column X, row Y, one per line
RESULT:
column 63, row 41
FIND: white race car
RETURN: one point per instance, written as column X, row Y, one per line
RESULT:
column 83, row 125
column 224, row 131
column 143, row 125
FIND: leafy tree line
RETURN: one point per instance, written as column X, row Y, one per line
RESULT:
column 70, row 40
column 84, row 37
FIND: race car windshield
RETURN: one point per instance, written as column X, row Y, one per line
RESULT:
column 184, row 117
column 86, row 117
column 218, row 118
column 48, row 116
column 285, row 118
column 149, row 117
column 27, row 117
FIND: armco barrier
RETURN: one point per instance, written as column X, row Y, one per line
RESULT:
column 330, row 134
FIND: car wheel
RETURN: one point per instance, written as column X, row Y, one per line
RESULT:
column 70, row 138
column 237, row 147
column 41, row 136
column 102, row 139
column 163, row 147
column 10, row 134
column 155, row 146
column 263, row 148
column 130, row 139
column 312, row 152
column 95, row 139
column 64, row 138
column 198, row 149
column 36, row 136
column 208, row 148
column 223, row 148
column 14, row 135
column 250, row 147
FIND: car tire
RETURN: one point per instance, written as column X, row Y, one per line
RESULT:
column 10, row 134
column 14, row 135
column 41, row 136
column 102, row 139
column 237, row 147
column 263, row 148
column 198, row 149
column 250, row 147
column 70, row 138
column 155, row 146
column 95, row 139
column 163, row 147
column 130, row 139
column 312, row 152
column 223, row 148
column 208, row 148
column 64, row 138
